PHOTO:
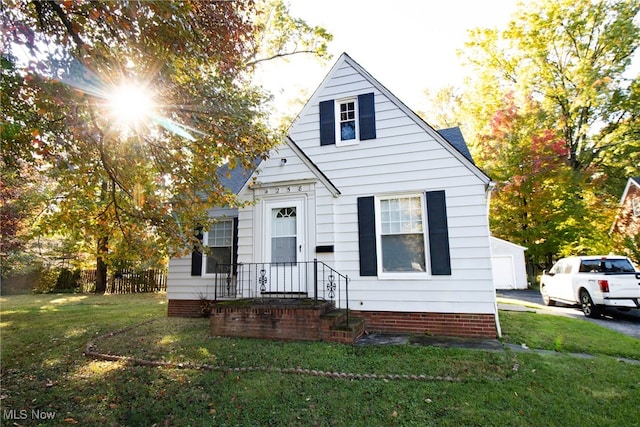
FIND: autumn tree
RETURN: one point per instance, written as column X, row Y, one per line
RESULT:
column 133, row 178
column 574, row 57
column 550, row 109
column 536, row 190
column 443, row 109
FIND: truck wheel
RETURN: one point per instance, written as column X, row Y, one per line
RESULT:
column 588, row 307
column 545, row 297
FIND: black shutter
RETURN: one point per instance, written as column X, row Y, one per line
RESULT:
column 234, row 249
column 367, row 116
column 327, row 123
column 196, row 256
column 438, row 233
column 367, row 236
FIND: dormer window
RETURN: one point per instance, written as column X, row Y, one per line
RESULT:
column 347, row 121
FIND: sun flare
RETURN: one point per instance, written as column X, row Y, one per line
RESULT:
column 130, row 104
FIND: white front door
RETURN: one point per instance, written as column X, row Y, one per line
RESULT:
column 284, row 247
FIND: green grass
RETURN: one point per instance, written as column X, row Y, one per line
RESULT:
column 43, row 368
column 564, row 334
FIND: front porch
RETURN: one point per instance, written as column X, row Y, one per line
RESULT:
column 279, row 280
column 306, row 301
column 285, row 319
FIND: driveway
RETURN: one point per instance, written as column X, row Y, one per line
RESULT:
column 627, row 323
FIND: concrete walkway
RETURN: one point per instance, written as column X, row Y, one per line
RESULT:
column 468, row 344
column 504, row 304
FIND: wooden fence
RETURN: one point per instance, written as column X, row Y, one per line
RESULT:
column 126, row 281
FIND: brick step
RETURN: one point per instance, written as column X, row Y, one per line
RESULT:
column 343, row 332
column 332, row 317
column 334, row 326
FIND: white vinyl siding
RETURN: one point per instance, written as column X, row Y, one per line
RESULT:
column 406, row 157
column 403, row 158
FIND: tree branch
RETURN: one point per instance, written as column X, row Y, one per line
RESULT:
column 278, row 55
column 65, row 21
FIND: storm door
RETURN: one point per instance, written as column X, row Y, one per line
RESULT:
column 285, row 248
column 284, row 234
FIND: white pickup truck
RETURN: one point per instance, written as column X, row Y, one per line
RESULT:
column 594, row 282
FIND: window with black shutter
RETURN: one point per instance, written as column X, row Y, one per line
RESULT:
column 439, row 251
column 399, row 238
column 347, row 121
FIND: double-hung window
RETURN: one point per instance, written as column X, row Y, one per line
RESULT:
column 402, row 234
column 347, row 121
column 347, row 125
column 219, row 240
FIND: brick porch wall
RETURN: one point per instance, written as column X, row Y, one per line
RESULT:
column 299, row 324
column 440, row 324
column 184, row 308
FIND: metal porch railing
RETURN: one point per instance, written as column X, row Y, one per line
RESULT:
column 306, row 279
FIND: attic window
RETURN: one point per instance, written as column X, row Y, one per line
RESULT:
column 347, row 125
column 348, row 121
column 635, row 204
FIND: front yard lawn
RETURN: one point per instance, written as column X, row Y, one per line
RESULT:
column 45, row 372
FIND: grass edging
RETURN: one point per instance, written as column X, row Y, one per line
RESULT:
column 90, row 352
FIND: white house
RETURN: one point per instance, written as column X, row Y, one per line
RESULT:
column 370, row 190
column 508, row 265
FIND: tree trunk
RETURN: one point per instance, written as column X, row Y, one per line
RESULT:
column 101, row 266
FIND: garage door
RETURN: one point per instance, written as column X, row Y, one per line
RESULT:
column 503, row 272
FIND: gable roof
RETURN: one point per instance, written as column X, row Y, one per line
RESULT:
column 236, row 178
column 493, row 239
column 631, row 181
column 312, row 167
column 450, row 138
column 455, row 138
column 446, row 144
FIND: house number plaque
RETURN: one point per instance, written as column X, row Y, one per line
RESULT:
column 282, row 190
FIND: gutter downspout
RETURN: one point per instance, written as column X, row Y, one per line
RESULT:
column 490, row 187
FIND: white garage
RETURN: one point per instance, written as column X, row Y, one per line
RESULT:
column 507, row 262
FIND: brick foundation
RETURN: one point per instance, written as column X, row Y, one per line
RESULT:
column 184, row 308
column 439, row 324
column 304, row 323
